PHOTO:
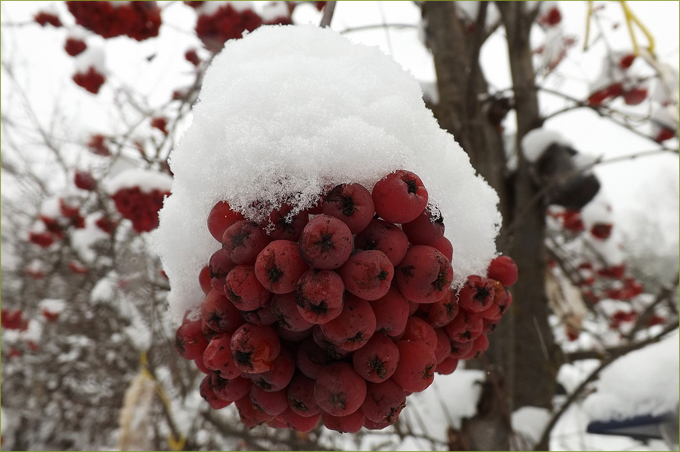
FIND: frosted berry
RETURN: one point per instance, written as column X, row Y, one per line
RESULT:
column 255, row 348
column 426, row 229
column 417, row 362
column 418, row 329
column 460, row 349
column 251, row 415
column 243, row 241
column 260, row 316
column 301, row 398
column 367, row 274
column 384, row 401
column 503, row 269
column 441, row 312
column 272, row 403
column 204, row 279
column 292, row 336
column 325, row 243
column 220, row 266
column 447, row 367
column 219, row 314
column 279, row 376
column 476, row 295
column 208, row 394
column 377, row 360
column 339, row 390
column 351, row 423
column 310, row 358
column 319, row 295
column 299, row 423
column 399, row 197
column 279, row 266
column 244, row 290
column 391, row 313
column 217, row 357
column 322, row 341
column 232, row 389
column 287, row 226
column 479, row 346
column 353, row 328
column 424, row 275
column 220, row 218
column 444, row 246
column 443, row 348
column 466, row 327
column 352, row 204
column 383, row 236
column 189, row 340
column 286, row 313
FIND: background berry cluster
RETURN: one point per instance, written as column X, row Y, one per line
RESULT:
column 338, row 312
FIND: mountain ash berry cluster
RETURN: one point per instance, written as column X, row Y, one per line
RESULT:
column 339, row 312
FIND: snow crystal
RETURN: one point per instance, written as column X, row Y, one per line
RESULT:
column 146, row 180
column 53, row 305
column 642, row 382
column 288, row 111
column 529, row 421
column 92, row 57
column 537, row 141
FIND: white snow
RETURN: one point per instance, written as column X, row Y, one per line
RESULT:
column 598, row 210
column 83, row 239
column 92, row 57
column 537, row 141
column 105, row 289
column 529, row 422
column 146, row 180
column 642, row 382
column 274, row 10
column 470, row 10
column 288, row 111
column 53, row 305
column 50, row 208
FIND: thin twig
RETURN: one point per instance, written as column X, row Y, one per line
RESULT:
column 327, row 17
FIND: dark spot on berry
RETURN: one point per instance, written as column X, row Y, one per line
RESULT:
column 263, row 384
column 407, row 271
column 382, row 276
column 412, row 185
column 238, row 239
column 371, row 245
column 394, row 411
column 273, row 273
column 359, row 337
column 325, row 242
column 428, row 372
column 321, row 308
column 378, row 366
column 243, row 358
column 449, row 308
column 467, row 335
column 337, row 399
column 214, row 318
column 179, row 344
column 481, row 294
column 441, row 282
column 281, row 319
column 299, row 406
column 232, row 296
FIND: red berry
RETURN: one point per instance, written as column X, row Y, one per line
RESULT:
column 160, row 123
column 208, row 393
column 260, row 316
column 287, row 226
column 479, row 346
column 279, row 376
column 189, row 340
column 292, row 336
column 664, row 134
column 377, row 360
column 399, row 197
column 443, row 348
column 441, row 312
column 204, row 279
column 219, row 314
column 44, row 18
column 444, row 246
column 287, row 315
column 391, row 313
column 466, row 327
column 310, row 358
column 490, row 325
column 419, row 330
column 322, row 341
column 255, row 348
column 626, row 61
column 90, row 80
column 383, row 236
column 476, row 295
column 244, row 290
column 192, row 57
column 424, row 275
column 351, row 423
column 220, row 218
column 217, row 357
column 251, row 415
column 43, row 240
column 319, row 296
column 272, row 403
column 201, row 366
column 635, row 96
column 299, row 423
column 352, row 204
column 367, row 274
column 243, row 241
column 353, row 328
column 460, row 349
column 85, row 181
column 339, row 390
column 426, row 229
column 220, row 266
column 503, row 269
column 415, row 371
column 325, row 243
column 384, row 401
column 500, row 294
column 371, row 425
column 279, row 266
column 301, row 396
column 601, row 231
column 232, row 389
column 448, row 366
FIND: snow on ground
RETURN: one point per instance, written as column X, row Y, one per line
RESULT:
column 288, row 111
column 529, row 422
column 642, row 382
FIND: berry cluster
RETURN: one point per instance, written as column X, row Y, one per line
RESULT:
column 139, row 207
column 44, row 18
column 224, row 24
column 56, row 225
column 631, row 93
column 74, row 46
column 336, row 313
column 138, row 20
column 13, row 320
column 90, row 80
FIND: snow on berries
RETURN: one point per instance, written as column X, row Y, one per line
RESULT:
column 321, row 221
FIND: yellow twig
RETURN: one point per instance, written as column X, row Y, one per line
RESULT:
column 632, row 19
column 588, row 16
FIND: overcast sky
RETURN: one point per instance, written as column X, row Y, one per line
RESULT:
column 45, row 70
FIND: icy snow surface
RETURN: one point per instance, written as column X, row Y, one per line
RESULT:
column 530, row 421
column 288, row 111
column 146, row 180
column 537, row 141
column 643, row 382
